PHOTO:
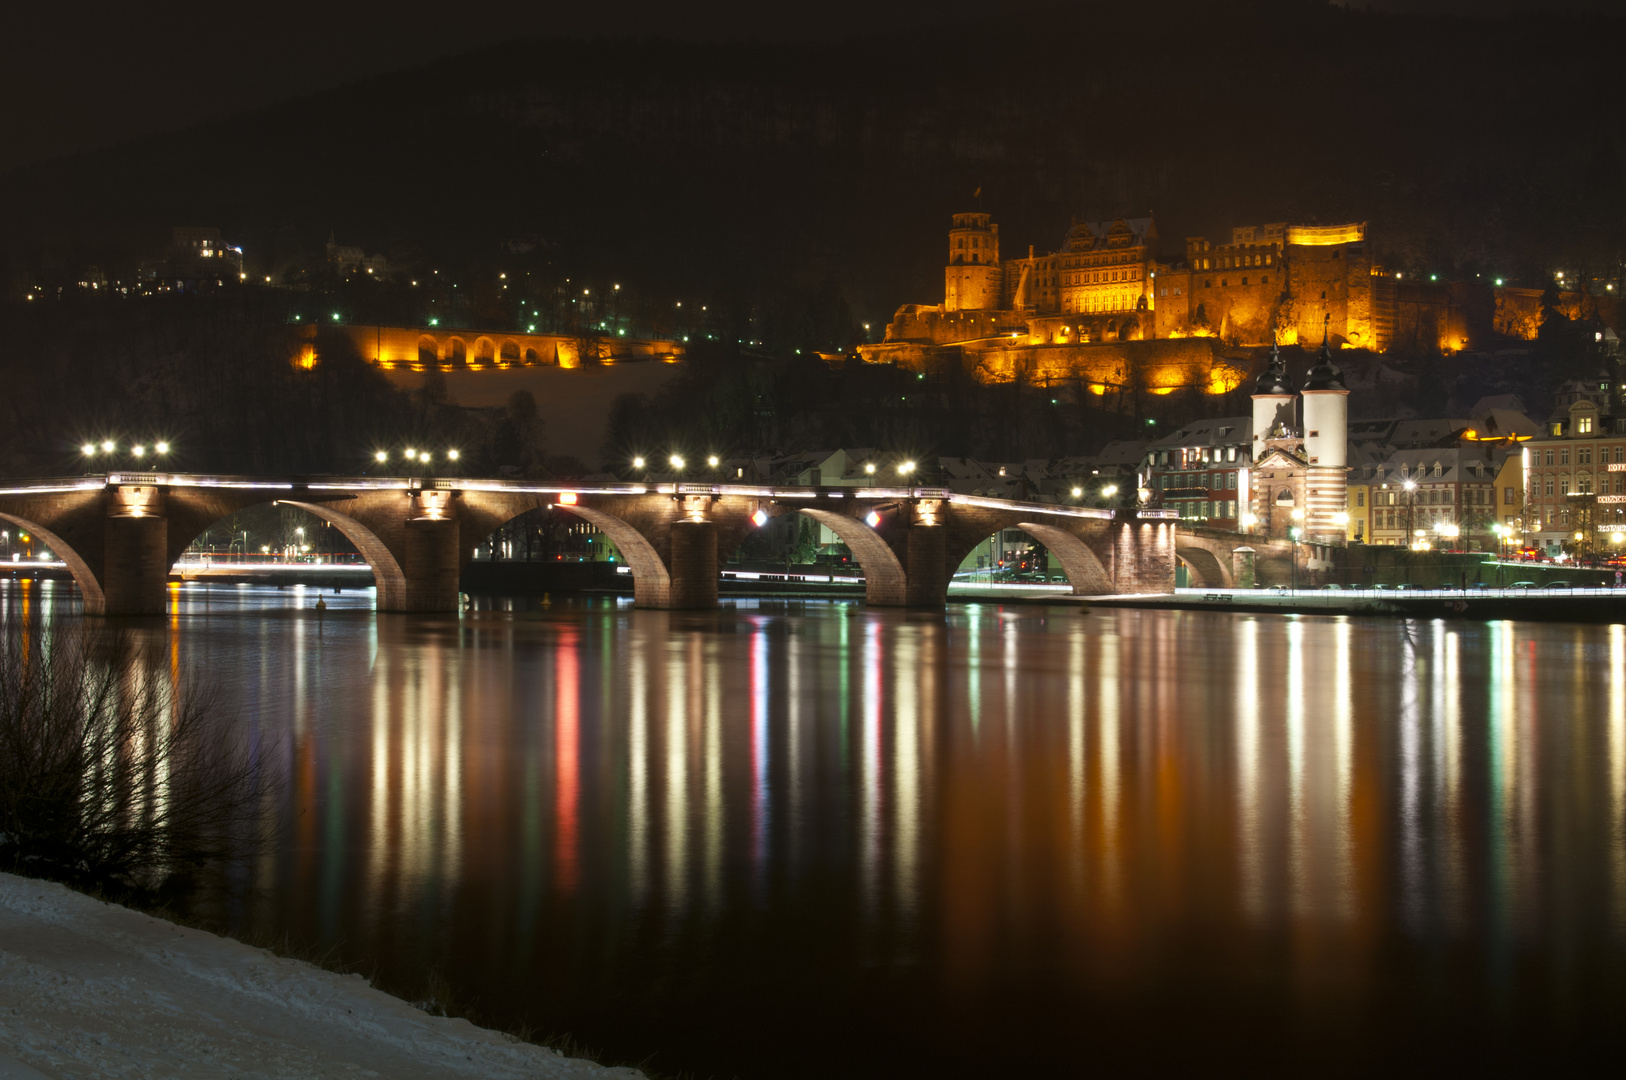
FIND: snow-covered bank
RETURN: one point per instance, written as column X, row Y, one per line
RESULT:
column 89, row 989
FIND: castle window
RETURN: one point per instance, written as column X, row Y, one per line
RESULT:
column 1244, row 281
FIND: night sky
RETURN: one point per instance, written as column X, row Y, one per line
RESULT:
column 79, row 77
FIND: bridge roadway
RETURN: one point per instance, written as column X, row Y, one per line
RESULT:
column 120, row 533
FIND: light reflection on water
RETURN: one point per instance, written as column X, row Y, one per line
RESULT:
column 992, row 836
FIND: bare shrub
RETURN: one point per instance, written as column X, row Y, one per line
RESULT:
column 116, row 771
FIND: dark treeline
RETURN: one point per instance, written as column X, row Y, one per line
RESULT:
column 754, row 178
column 216, row 377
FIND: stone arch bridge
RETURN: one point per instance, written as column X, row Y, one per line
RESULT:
column 121, row 533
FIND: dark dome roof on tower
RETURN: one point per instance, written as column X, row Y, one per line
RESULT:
column 1325, row 375
column 1273, row 380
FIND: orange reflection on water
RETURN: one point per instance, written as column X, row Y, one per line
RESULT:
column 986, row 818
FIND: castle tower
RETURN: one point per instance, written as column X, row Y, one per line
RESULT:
column 1326, row 442
column 972, row 279
column 1273, row 400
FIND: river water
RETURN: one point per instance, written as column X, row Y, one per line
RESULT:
column 792, row 839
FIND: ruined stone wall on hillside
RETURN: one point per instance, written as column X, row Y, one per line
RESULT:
column 1157, row 367
column 1335, row 281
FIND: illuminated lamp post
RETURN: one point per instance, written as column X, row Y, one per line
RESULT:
column 1293, row 534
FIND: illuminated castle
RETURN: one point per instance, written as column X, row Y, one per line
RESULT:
column 1104, row 283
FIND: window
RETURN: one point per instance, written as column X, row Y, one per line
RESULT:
column 1583, row 455
column 1507, row 497
column 1360, row 498
column 1583, row 484
column 1230, row 481
column 1619, row 451
column 1549, row 457
column 1583, row 425
column 1549, row 490
column 1564, row 456
column 1620, row 483
column 1563, row 487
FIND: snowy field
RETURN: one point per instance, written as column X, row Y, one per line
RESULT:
column 89, row 989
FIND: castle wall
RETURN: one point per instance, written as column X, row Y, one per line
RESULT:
column 1157, row 367
column 416, row 347
column 1334, row 280
column 1234, row 305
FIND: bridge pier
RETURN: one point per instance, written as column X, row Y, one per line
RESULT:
column 928, row 571
column 431, row 564
column 694, row 566
column 135, row 566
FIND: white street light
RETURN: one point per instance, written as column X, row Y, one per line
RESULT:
column 161, row 448
column 676, row 461
column 89, row 449
column 382, row 455
column 1109, row 491
column 109, row 446
column 712, row 460
column 452, row 455
column 638, row 462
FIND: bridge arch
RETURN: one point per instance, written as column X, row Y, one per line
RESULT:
column 885, row 580
column 485, row 350
column 89, row 586
column 457, row 351
column 651, row 581
column 509, row 353
column 530, row 357
column 428, row 350
column 1081, row 565
column 388, row 576
column 1204, row 566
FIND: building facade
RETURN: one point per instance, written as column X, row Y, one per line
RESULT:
column 1201, row 471
column 1575, row 473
